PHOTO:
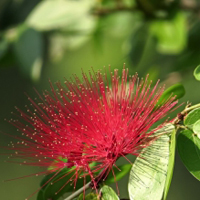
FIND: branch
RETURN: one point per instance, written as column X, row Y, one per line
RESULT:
column 106, row 11
column 78, row 192
column 181, row 115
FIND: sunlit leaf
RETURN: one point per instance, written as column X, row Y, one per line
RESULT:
column 197, row 73
column 189, row 150
column 107, row 193
column 172, row 149
column 49, row 15
column 196, row 128
column 148, row 174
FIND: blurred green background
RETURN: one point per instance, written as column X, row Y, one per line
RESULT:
column 53, row 39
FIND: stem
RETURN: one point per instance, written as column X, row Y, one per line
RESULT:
column 187, row 109
column 78, row 192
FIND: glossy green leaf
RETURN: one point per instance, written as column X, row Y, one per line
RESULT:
column 172, row 149
column 197, row 73
column 40, row 195
column 148, row 174
column 124, row 169
column 107, row 193
column 176, row 89
column 49, row 15
column 52, row 191
column 189, row 150
column 29, row 49
column 192, row 117
column 196, row 128
column 171, row 34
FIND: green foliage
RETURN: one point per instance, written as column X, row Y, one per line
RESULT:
column 171, row 34
column 189, row 143
column 107, row 193
column 29, row 49
column 49, row 190
column 90, row 196
column 50, row 15
column 147, row 179
column 192, row 117
column 52, row 183
column 196, row 128
column 172, row 151
column 189, row 150
column 197, row 73
column 177, row 90
column 40, row 195
column 151, row 32
column 139, row 43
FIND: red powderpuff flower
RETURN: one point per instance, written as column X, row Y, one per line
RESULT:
column 89, row 121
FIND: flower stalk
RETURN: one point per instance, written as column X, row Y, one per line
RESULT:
column 187, row 109
column 79, row 191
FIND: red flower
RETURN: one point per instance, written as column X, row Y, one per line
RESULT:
column 90, row 121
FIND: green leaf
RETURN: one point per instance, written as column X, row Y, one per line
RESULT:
column 49, row 15
column 40, row 195
column 29, row 49
column 124, row 169
column 176, row 89
column 189, row 150
column 197, row 73
column 192, row 117
column 90, row 196
column 148, row 174
column 51, row 190
column 172, row 149
column 107, row 193
column 59, row 180
column 196, row 128
column 171, row 34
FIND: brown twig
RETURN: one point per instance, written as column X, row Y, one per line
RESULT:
column 106, row 11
